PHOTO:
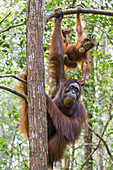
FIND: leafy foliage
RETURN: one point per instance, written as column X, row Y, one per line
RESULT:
column 97, row 93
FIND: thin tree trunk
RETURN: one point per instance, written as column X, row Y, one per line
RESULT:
column 73, row 157
column 100, row 123
column 100, row 149
column 36, row 87
column 88, row 147
column 87, row 131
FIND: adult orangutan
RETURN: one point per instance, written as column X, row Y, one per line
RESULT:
column 65, row 109
column 65, row 112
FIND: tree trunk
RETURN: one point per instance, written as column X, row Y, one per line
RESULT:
column 87, row 131
column 100, row 149
column 36, row 87
column 88, row 146
column 100, row 123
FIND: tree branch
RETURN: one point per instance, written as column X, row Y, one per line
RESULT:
column 24, row 156
column 105, row 127
column 83, row 10
column 11, row 75
column 101, row 140
column 5, row 17
column 13, row 26
column 14, row 92
column 18, row 15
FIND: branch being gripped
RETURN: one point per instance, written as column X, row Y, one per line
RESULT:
column 14, row 92
column 11, row 75
column 83, row 10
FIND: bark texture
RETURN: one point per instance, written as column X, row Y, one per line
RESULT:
column 36, row 87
